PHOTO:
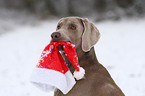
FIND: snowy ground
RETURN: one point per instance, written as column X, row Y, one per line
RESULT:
column 121, row 50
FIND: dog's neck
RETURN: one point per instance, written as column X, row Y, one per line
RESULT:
column 87, row 60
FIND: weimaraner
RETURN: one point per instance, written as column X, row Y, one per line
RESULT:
column 97, row 80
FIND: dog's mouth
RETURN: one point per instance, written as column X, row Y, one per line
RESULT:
column 60, row 47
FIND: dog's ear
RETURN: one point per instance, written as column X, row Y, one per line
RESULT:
column 90, row 35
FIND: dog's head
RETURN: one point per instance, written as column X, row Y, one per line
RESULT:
column 78, row 31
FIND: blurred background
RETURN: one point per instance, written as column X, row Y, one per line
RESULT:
column 99, row 9
column 26, row 26
column 29, row 11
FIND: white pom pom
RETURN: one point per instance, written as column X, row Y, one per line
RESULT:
column 79, row 74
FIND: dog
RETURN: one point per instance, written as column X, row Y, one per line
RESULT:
column 84, row 34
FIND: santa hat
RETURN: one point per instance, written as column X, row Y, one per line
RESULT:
column 52, row 71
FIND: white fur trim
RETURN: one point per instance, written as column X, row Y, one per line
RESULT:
column 48, row 80
column 70, row 81
column 79, row 74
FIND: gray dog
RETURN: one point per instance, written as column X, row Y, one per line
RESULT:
column 85, row 35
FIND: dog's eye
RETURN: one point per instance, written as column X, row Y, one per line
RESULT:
column 59, row 26
column 72, row 26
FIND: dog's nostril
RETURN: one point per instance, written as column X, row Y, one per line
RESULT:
column 56, row 36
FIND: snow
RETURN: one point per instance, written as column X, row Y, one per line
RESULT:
column 120, row 49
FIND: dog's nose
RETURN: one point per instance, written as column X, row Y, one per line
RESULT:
column 55, row 35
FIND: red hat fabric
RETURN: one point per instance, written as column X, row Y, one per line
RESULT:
column 52, row 71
